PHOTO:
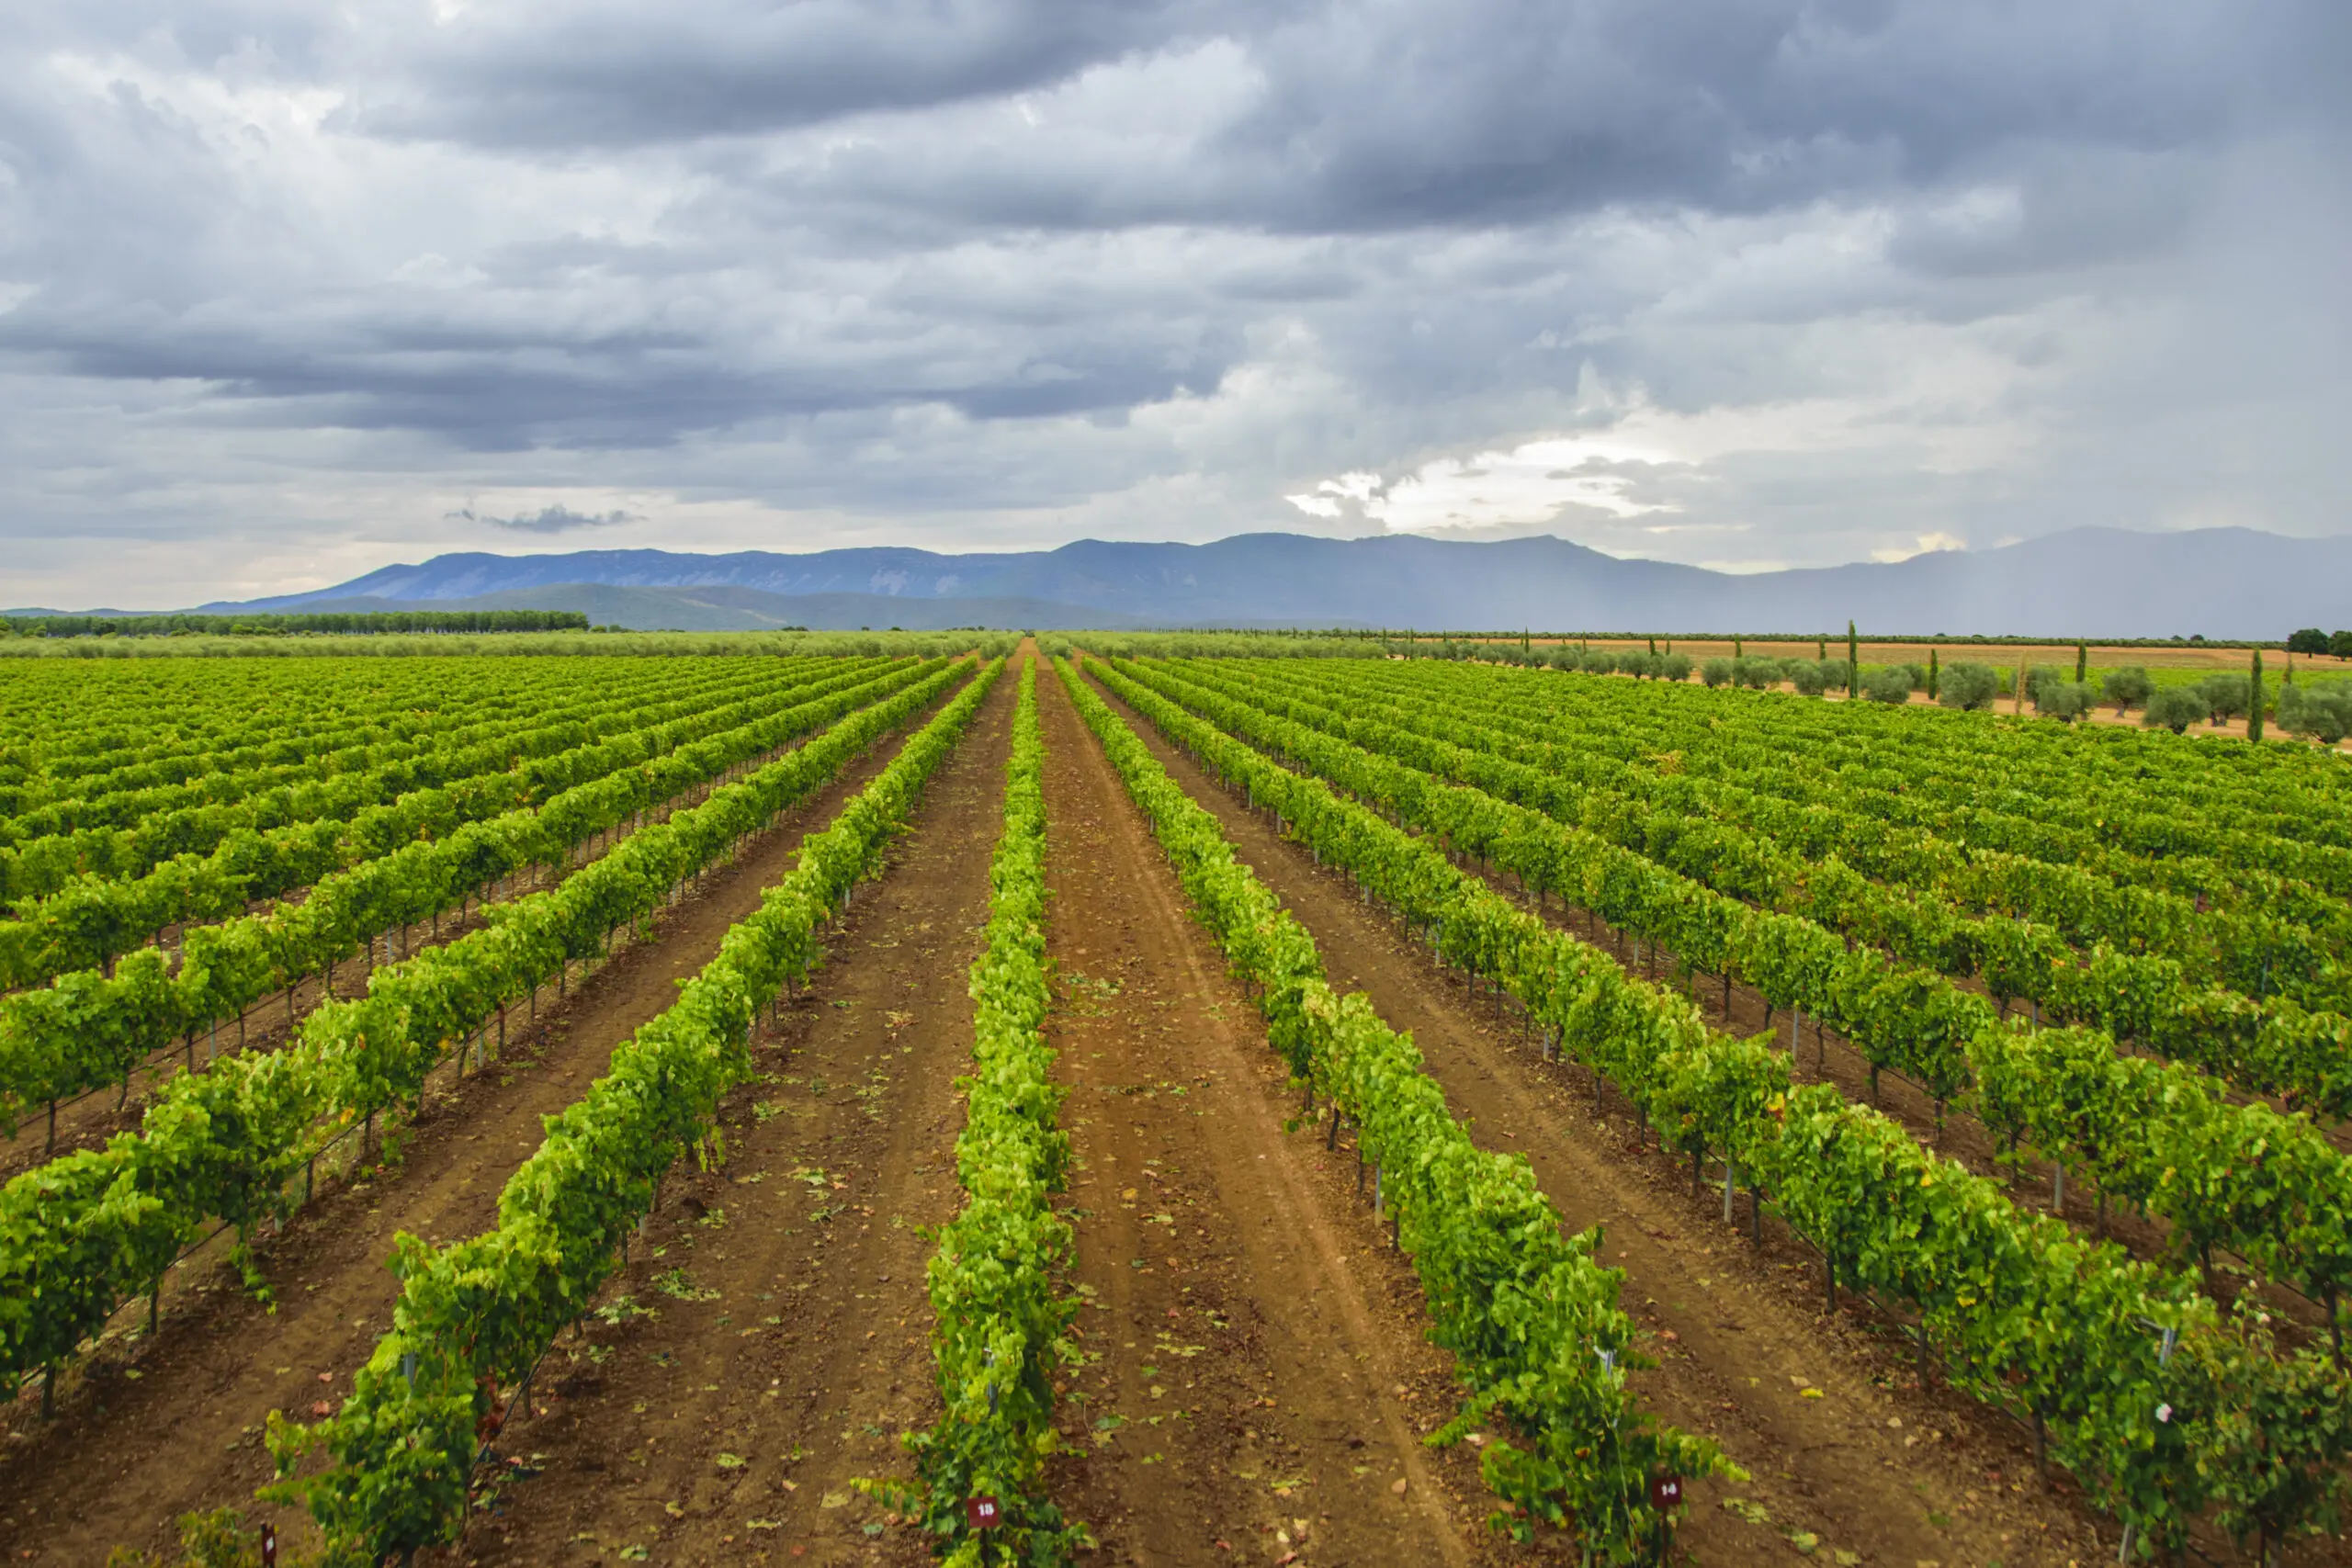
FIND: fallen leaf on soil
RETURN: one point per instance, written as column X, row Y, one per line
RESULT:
column 732, row 1462
column 674, row 1511
column 1805, row 1542
column 835, row 1500
column 1754, row 1513
column 1397, row 1487
column 321, row 1407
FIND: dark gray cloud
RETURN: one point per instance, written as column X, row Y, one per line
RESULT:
column 555, row 79
column 556, row 518
column 1741, row 280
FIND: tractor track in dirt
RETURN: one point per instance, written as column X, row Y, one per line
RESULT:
column 1258, row 1378
column 788, row 1340
column 1822, row 1409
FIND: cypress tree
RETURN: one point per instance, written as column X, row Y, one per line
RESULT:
column 1821, row 651
column 1653, row 645
column 1853, row 662
column 1736, row 649
column 2081, row 662
column 2254, row 707
column 1932, row 671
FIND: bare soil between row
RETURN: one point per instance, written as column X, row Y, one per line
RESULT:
column 154, row 1427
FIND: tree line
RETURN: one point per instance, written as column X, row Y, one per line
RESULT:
column 354, row 623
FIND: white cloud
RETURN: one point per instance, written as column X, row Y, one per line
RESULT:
column 1926, row 543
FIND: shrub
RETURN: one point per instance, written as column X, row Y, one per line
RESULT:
column 1968, row 686
column 1756, row 674
column 1674, row 667
column 2174, row 709
column 1717, row 672
column 1807, row 677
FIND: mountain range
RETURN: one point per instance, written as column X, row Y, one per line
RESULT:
column 2084, row 583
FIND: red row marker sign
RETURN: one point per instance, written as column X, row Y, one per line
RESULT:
column 982, row 1513
column 1665, row 1492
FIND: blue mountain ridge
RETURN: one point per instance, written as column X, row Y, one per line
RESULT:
column 2218, row 583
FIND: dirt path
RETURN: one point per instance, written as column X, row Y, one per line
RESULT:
column 1824, row 1411
column 789, row 1344
column 180, row 1429
column 1257, row 1383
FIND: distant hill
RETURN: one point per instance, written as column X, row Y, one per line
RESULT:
column 728, row 609
column 2220, row 583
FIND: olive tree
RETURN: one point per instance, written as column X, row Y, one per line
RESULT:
column 2174, row 709
column 2041, row 679
column 2323, row 711
column 1967, row 685
column 1807, row 675
column 2066, row 700
column 2126, row 688
column 1717, row 672
column 1674, row 667
column 1888, row 683
column 2226, row 694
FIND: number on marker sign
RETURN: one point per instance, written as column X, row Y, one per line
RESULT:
column 1665, row 1492
column 983, row 1513
column 269, row 1546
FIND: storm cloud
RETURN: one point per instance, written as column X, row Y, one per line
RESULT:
column 288, row 292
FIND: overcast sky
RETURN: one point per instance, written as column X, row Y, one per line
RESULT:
column 290, row 290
